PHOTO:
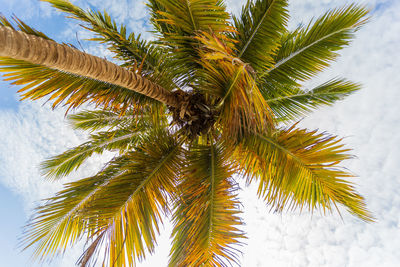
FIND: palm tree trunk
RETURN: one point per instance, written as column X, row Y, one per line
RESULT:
column 36, row 50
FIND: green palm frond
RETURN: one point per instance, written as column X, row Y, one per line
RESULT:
column 259, row 28
column 206, row 215
column 291, row 102
column 94, row 120
column 123, row 205
column 297, row 168
column 186, row 17
column 72, row 90
column 178, row 22
column 312, row 48
column 118, row 140
column 131, row 49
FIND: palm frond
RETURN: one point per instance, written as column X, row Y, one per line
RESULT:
column 290, row 102
column 131, row 49
column 185, row 17
column 259, row 28
column 297, row 168
column 94, row 120
column 206, row 216
column 122, row 205
column 232, row 85
column 132, row 213
column 310, row 49
column 178, row 22
column 120, row 140
column 57, row 223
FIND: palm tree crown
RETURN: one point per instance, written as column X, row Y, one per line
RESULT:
column 212, row 99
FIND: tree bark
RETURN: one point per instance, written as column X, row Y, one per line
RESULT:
column 36, row 50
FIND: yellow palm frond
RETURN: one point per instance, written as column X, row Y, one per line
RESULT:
column 206, row 214
column 121, row 206
column 297, row 168
column 57, row 224
column 232, row 85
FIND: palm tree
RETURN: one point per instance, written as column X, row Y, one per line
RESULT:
column 210, row 100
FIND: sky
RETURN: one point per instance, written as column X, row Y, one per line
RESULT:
column 369, row 120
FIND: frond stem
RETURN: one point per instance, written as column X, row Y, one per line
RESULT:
column 191, row 15
column 103, row 144
column 297, row 95
column 212, row 190
column 123, row 243
column 256, row 30
column 230, row 87
column 159, row 165
column 283, row 61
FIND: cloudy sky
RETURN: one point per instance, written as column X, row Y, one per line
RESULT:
column 31, row 132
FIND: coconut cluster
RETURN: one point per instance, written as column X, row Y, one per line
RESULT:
column 195, row 116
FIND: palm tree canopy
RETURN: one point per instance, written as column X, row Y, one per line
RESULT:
column 215, row 98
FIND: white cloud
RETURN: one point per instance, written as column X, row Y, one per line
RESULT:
column 33, row 134
column 369, row 119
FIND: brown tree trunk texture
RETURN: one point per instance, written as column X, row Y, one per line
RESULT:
column 36, row 50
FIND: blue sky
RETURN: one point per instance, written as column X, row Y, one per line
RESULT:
column 369, row 119
column 10, row 198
